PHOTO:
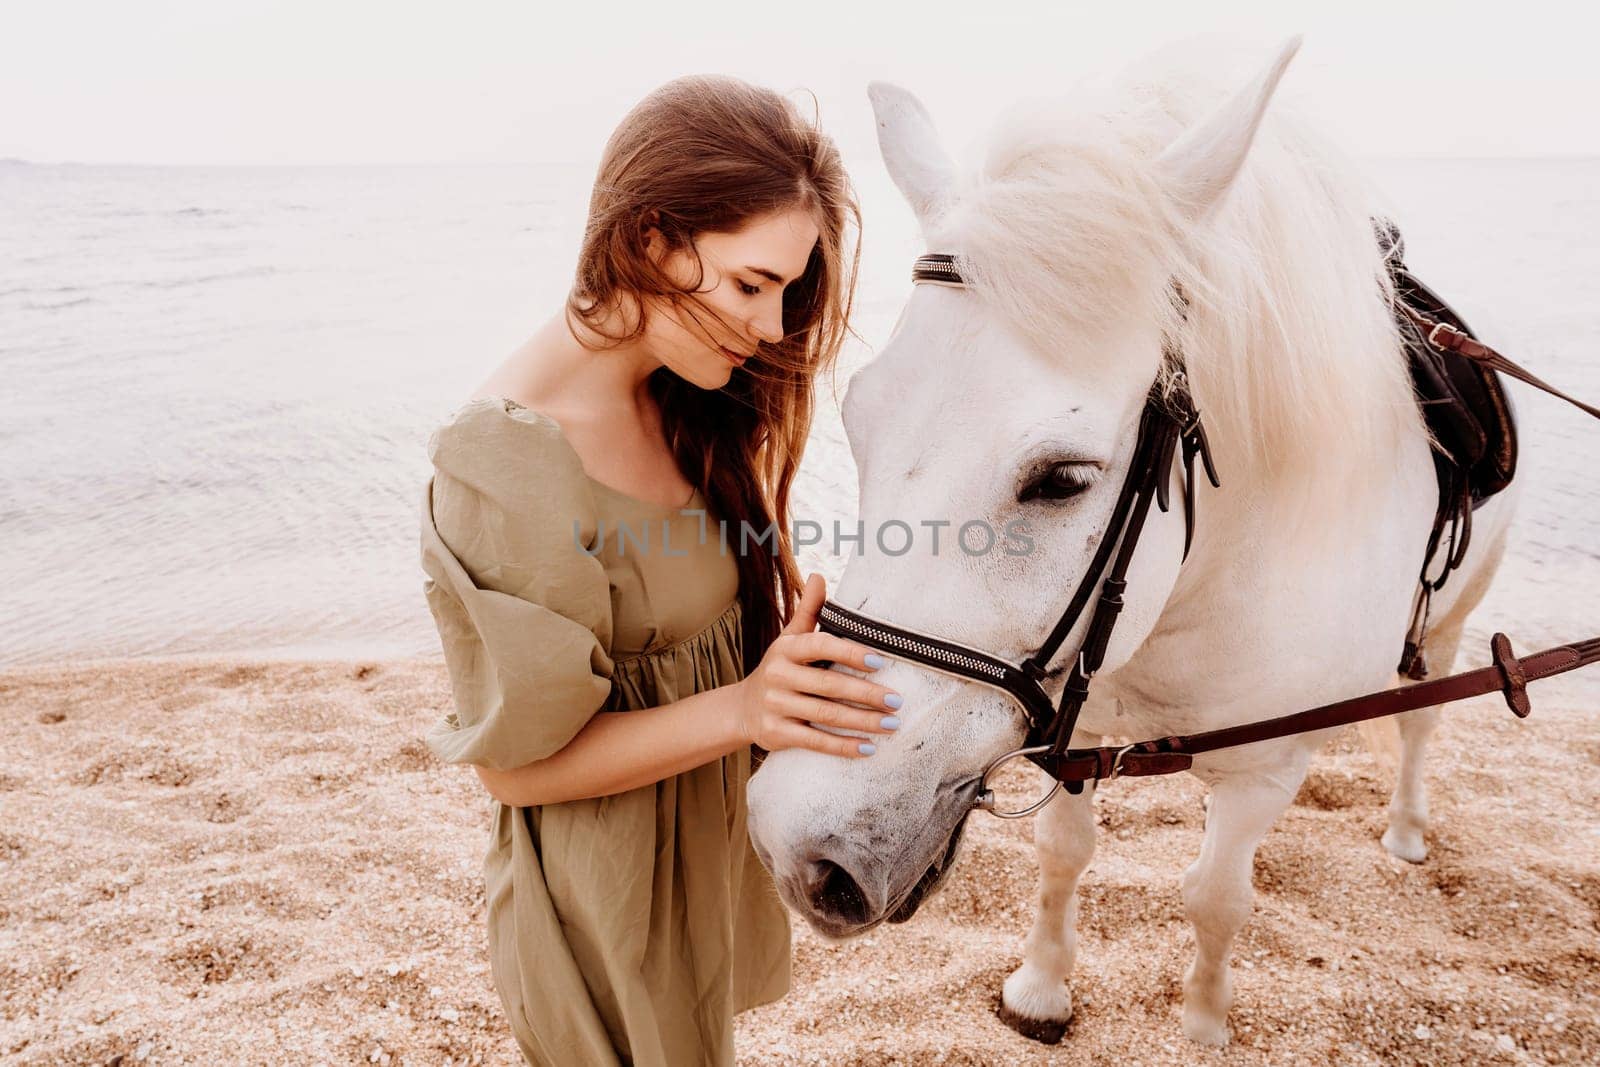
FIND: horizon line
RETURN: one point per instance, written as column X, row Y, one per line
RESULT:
column 18, row 161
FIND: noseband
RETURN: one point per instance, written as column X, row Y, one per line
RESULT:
column 1169, row 419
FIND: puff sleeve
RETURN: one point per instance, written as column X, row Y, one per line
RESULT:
column 522, row 605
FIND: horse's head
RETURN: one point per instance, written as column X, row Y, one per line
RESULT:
column 1006, row 410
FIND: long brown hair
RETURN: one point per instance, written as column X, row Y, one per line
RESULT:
column 710, row 154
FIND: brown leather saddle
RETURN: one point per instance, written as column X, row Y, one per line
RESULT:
column 1469, row 415
column 1464, row 403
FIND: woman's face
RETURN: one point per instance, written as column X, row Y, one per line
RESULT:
column 740, row 297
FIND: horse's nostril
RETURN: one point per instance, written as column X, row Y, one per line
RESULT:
column 834, row 892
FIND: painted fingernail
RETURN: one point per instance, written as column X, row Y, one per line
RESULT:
column 894, row 700
column 890, row 722
column 874, row 661
column 866, row 748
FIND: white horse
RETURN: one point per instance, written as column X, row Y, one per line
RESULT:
column 1300, row 583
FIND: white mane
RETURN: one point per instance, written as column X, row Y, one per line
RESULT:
column 1290, row 348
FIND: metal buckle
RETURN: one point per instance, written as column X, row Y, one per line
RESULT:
column 1116, row 762
column 1433, row 334
column 984, row 801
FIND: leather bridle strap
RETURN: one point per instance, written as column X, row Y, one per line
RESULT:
column 935, row 653
column 1508, row 675
column 1152, row 464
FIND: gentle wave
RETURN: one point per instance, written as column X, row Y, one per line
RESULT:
column 43, row 290
column 203, row 279
column 74, row 302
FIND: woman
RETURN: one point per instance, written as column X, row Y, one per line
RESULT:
column 609, row 694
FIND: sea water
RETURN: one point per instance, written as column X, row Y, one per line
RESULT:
column 219, row 383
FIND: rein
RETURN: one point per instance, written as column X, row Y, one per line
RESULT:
column 1168, row 755
column 1170, row 419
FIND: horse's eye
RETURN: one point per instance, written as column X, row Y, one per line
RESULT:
column 1059, row 481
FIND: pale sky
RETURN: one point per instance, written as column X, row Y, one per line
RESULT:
column 492, row 81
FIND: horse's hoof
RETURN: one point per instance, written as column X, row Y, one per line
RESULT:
column 1205, row 1029
column 1036, row 1005
column 1044, row 1031
column 1405, row 844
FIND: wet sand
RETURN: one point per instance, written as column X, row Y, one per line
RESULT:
column 220, row 860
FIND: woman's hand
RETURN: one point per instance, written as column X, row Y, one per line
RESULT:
column 781, row 699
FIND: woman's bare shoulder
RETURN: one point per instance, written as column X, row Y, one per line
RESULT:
column 523, row 374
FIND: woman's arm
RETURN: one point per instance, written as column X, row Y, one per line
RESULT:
column 779, row 705
column 621, row 750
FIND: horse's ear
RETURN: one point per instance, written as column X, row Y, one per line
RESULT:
column 911, row 150
column 1204, row 160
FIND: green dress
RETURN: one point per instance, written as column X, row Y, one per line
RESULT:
column 625, row 928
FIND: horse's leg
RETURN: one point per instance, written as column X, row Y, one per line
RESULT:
column 1036, row 1001
column 1217, row 893
column 1408, row 807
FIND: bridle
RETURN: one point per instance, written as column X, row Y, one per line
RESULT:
column 1168, row 420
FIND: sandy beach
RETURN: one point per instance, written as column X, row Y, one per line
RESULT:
column 230, row 861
